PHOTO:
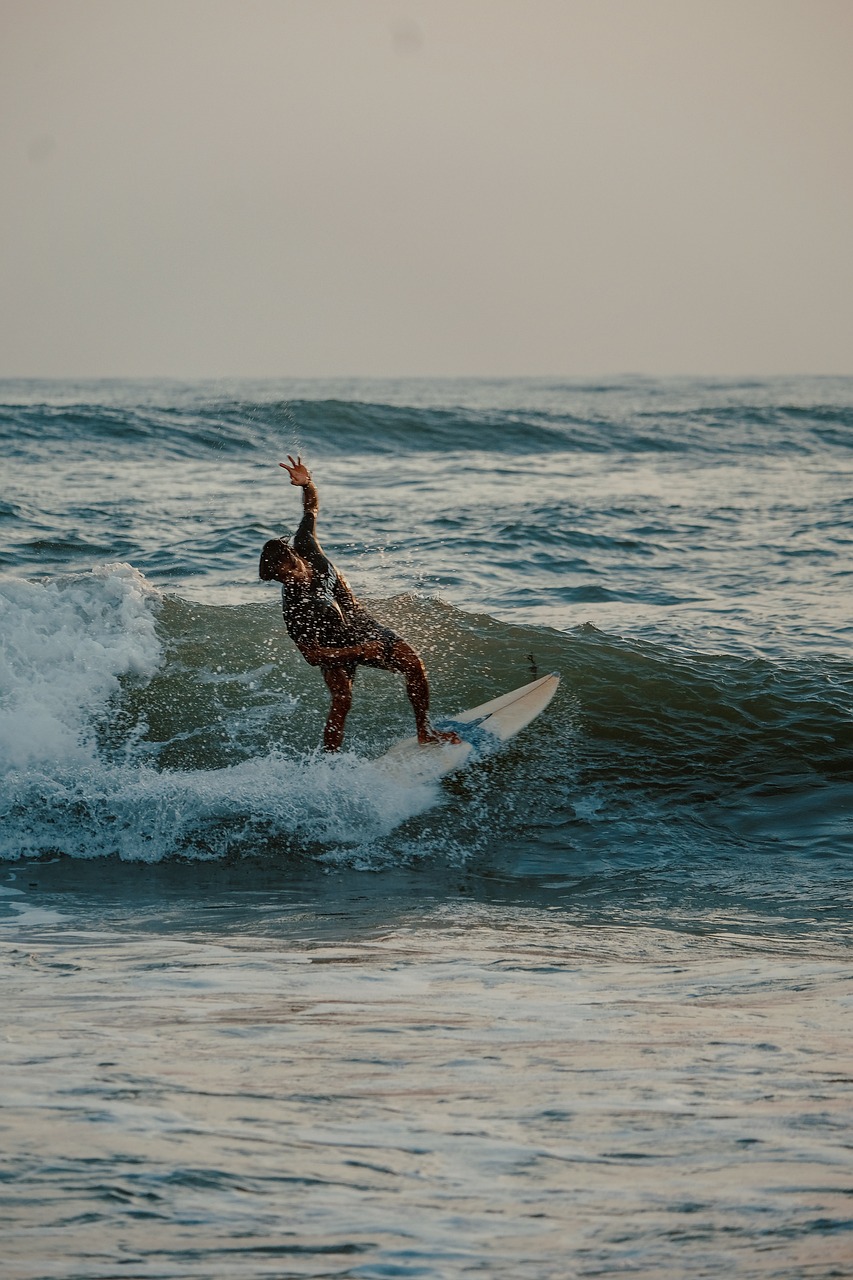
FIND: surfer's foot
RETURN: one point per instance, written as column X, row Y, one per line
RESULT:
column 437, row 735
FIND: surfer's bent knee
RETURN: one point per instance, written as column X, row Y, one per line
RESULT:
column 404, row 658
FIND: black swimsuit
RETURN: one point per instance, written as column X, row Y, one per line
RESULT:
column 324, row 613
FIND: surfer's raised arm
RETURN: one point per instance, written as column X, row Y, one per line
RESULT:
column 301, row 477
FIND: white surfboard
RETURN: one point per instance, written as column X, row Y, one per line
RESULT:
column 482, row 729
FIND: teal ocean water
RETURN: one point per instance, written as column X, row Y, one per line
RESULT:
column 582, row 1009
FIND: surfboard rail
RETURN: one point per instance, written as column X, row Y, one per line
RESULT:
column 483, row 729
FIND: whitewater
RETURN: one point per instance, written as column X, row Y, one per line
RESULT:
column 582, row 1009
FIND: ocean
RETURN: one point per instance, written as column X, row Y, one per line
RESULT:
column 581, row 1009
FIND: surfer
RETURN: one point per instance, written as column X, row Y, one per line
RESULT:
column 328, row 625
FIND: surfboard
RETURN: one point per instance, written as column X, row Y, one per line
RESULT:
column 482, row 729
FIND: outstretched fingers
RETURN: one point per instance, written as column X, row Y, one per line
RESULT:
column 296, row 469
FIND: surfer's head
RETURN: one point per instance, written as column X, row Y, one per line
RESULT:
column 279, row 561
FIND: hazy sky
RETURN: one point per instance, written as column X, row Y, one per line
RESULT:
column 320, row 187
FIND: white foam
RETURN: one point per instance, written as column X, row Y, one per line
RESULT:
column 63, row 646
column 309, row 799
column 141, row 814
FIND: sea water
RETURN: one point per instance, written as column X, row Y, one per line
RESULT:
column 582, row 1009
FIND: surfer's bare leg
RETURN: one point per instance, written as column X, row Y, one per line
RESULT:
column 340, row 687
column 404, row 659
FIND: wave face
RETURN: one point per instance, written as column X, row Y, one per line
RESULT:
column 149, row 727
column 678, row 552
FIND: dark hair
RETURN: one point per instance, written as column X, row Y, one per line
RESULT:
column 272, row 554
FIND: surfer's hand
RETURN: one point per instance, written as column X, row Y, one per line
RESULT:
column 298, row 472
column 339, row 655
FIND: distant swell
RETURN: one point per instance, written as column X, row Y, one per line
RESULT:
column 335, row 426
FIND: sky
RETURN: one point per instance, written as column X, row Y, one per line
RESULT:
column 314, row 188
